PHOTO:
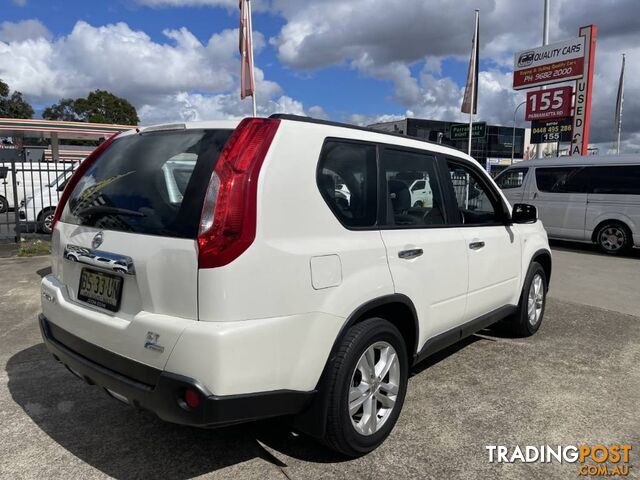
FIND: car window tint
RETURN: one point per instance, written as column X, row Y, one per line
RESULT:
column 562, row 179
column 149, row 183
column 512, row 178
column 347, row 180
column 616, row 179
column 413, row 194
column 476, row 203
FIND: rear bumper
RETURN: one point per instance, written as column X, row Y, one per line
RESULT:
column 161, row 392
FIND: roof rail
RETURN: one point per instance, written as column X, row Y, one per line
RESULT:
column 300, row 118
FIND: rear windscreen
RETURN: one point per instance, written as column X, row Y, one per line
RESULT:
column 149, row 183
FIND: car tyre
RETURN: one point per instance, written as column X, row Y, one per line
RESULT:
column 45, row 220
column 533, row 300
column 4, row 205
column 363, row 402
column 614, row 238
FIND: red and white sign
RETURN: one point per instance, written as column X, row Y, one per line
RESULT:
column 549, row 104
column 553, row 63
column 584, row 91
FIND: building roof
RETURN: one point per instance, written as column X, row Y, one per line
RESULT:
column 27, row 128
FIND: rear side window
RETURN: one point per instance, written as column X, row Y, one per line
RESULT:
column 620, row 180
column 347, row 180
column 512, row 178
column 150, row 183
column 413, row 192
column 562, row 180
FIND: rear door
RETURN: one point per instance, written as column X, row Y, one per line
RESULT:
column 561, row 199
column 428, row 260
column 492, row 247
column 126, row 240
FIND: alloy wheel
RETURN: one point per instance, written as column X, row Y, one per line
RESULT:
column 612, row 239
column 374, row 388
column 47, row 223
column 535, row 301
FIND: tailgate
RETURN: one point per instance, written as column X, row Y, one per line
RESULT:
column 125, row 255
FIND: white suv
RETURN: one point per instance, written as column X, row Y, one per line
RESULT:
column 257, row 291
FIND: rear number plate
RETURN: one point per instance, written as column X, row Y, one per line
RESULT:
column 100, row 289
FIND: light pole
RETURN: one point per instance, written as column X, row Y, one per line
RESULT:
column 513, row 137
column 545, row 41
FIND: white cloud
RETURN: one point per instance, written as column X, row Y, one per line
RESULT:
column 388, row 39
column 181, row 78
column 318, row 112
column 20, row 3
column 24, row 30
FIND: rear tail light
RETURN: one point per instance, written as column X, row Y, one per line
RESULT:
column 228, row 220
column 78, row 174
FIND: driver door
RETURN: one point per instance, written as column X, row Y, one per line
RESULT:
column 492, row 247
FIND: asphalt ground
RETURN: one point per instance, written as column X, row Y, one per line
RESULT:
column 577, row 381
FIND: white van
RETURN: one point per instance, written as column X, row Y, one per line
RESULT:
column 583, row 199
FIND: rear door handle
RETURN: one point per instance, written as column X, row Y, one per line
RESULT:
column 476, row 245
column 409, row 254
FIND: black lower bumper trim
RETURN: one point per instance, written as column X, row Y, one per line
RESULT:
column 164, row 396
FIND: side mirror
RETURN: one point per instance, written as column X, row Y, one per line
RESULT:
column 524, row 213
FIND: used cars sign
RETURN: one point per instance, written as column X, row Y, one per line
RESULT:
column 554, row 63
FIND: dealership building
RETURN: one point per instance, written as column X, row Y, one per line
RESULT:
column 492, row 145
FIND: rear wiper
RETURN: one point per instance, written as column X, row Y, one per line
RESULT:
column 106, row 210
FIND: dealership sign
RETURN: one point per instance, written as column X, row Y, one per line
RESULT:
column 584, row 92
column 558, row 62
column 460, row 131
column 551, row 130
column 549, row 104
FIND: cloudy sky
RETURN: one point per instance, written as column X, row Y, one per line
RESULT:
column 348, row 60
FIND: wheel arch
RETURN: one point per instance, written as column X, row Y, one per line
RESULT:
column 396, row 308
column 44, row 210
column 543, row 257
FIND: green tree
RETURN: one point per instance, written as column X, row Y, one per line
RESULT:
column 64, row 110
column 99, row 107
column 13, row 105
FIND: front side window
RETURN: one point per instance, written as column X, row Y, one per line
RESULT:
column 413, row 193
column 512, row 178
column 476, row 203
column 562, row 180
column 347, row 180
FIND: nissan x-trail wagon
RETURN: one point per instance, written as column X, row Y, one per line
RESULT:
column 221, row 272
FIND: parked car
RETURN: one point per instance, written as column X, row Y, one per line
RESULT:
column 40, row 204
column 30, row 177
column 592, row 199
column 421, row 194
column 264, row 293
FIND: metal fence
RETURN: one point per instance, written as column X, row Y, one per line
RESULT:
column 469, row 196
column 29, row 194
